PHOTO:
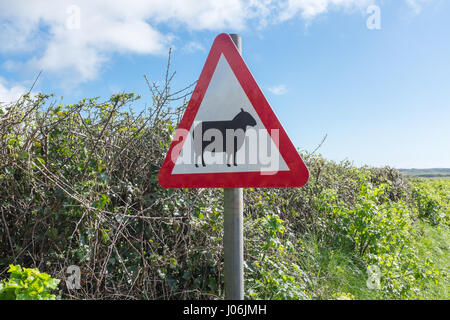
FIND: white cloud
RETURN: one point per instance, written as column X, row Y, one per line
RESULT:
column 416, row 5
column 10, row 94
column 39, row 28
column 279, row 90
column 75, row 54
column 308, row 9
column 193, row 46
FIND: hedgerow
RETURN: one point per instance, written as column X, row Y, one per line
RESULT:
column 78, row 186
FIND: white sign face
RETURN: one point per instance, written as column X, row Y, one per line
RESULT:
column 227, row 134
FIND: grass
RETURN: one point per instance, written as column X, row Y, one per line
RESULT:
column 344, row 276
column 434, row 243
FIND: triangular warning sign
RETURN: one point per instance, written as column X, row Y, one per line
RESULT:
column 229, row 136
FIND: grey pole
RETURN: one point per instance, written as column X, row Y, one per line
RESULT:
column 233, row 238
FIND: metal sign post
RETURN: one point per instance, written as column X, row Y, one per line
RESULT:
column 233, row 238
column 233, row 244
column 227, row 98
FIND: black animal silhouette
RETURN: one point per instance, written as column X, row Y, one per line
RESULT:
column 241, row 121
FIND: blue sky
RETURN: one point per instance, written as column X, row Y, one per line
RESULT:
column 382, row 96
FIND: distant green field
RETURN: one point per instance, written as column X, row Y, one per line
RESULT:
column 427, row 173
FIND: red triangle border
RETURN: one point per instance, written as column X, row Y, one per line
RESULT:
column 298, row 174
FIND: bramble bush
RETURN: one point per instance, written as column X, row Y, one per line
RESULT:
column 429, row 203
column 27, row 284
column 272, row 272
